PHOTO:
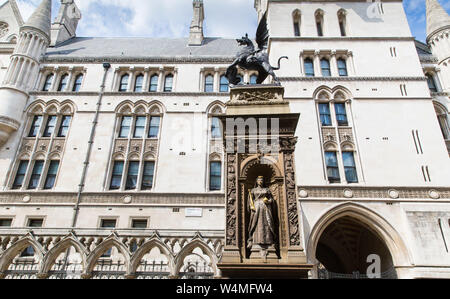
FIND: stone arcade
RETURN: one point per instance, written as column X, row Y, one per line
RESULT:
column 113, row 162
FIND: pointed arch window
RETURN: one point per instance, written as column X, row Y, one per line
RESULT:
column 296, row 21
column 325, row 66
column 154, row 83
column 51, row 175
column 125, row 127
column 48, row 82
column 148, row 174
column 132, row 176
column 216, row 131
column 341, row 114
column 342, row 22
column 63, row 83
column 325, row 114
column 139, row 127
column 342, row 67
column 77, row 83
column 124, row 83
column 224, row 84
column 215, row 180
column 309, row 67
column 35, row 126
column 350, row 167
column 116, row 178
column 168, row 83
column 139, row 83
column 209, row 83
column 64, row 127
column 20, row 175
column 332, row 167
column 319, row 23
column 36, row 174
column 431, row 83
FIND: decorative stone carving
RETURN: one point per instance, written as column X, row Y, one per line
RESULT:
column 294, row 234
column 4, row 28
column 434, row 194
column 267, row 95
column 303, row 193
column 127, row 199
column 394, row 194
column 231, row 200
column 348, row 193
column 26, row 199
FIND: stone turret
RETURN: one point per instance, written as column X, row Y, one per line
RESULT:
column 23, row 70
column 196, row 33
column 438, row 31
column 65, row 25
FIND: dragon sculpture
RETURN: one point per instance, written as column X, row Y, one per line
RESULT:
column 248, row 58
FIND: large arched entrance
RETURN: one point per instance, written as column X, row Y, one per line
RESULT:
column 344, row 247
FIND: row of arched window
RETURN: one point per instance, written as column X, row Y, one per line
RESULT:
column 319, row 19
column 325, row 67
column 139, row 83
column 63, row 84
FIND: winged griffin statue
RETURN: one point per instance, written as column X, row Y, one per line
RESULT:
column 248, row 58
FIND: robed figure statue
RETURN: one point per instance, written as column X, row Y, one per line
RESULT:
column 261, row 204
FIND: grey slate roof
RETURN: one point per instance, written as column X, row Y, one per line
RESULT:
column 87, row 47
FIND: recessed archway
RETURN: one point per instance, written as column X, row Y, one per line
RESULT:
column 345, row 245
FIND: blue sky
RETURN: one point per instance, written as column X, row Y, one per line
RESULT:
column 171, row 18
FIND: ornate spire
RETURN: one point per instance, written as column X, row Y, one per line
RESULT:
column 41, row 18
column 437, row 17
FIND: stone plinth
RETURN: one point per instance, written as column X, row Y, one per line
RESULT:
column 259, row 137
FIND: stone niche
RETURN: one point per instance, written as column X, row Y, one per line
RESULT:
column 259, row 140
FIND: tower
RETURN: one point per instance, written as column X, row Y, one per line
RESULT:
column 196, row 32
column 23, row 69
column 66, row 22
column 438, row 30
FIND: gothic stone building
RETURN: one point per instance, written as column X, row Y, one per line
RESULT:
column 112, row 163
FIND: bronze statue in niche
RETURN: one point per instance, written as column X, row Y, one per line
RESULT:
column 262, row 227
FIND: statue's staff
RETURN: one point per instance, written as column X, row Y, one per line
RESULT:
column 252, row 203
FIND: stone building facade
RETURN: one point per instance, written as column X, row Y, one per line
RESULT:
column 112, row 162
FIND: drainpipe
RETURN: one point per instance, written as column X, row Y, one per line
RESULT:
column 106, row 67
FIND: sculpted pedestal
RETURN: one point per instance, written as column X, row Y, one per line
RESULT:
column 259, row 137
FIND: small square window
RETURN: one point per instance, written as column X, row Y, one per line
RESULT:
column 139, row 223
column 35, row 222
column 108, row 223
column 5, row 222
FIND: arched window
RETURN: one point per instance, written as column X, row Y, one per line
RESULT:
column 350, row 167
column 168, row 83
column 125, row 127
column 153, row 131
column 216, row 131
column 35, row 126
column 309, row 67
column 431, row 83
column 209, row 83
column 139, row 126
column 325, row 66
column 63, row 82
column 77, row 84
column 296, row 21
column 116, row 177
column 215, row 176
column 253, row 79
column 341, row 114
column 147, row 175
column 332, row 167
column 124, row 83
column 442, row 116
column 139, row 82
column 50, row 126
column 132, row 175
column 319, row 22
column 48, row 82
column 342, row 22
column 342, row 67
column 224, row 84
column 154, row 83
column 325, row 114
